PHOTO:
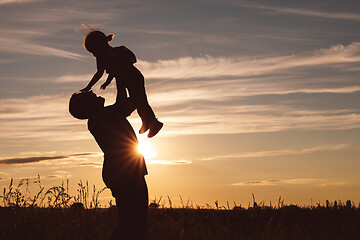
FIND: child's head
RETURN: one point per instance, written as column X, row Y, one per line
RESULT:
column 96, row 41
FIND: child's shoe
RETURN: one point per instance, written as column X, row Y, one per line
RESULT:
column 143, row 129
column 155, row 128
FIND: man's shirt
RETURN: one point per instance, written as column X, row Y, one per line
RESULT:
column 116, row 138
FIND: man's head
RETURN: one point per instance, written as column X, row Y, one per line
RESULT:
column 83, row 105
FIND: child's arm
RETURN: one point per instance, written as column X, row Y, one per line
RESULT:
column 108, row 81
column 94, row 80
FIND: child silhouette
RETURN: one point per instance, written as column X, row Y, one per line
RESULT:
column 118, row 62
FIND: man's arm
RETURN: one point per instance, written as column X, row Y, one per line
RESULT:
column 94, row 80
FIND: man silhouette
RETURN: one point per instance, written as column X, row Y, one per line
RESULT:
column 124, row 167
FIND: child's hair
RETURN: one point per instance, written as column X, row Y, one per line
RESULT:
column 95, row 39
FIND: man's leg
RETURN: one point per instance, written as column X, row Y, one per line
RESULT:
column 132, row 209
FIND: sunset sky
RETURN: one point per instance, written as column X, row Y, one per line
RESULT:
column 256, row 96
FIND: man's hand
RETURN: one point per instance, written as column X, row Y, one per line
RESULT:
column 85, row 89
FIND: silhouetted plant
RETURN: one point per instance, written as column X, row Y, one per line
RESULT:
column 38, row 196
column 170, row 203
column 13, row 197
column 54, row 197
column 95, row 203
column 83, row 193
column 154, row 203
column 185, row 205
column 254, row 202
column 58, row 197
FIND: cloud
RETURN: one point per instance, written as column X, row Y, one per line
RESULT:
column 295, row 181
column 73, row 78
column 245, row 119
column 17, row 1
column 349, row 89
column 78, row 160
column 215, row 70
column 221, row 87
column 40, row 117
column 53, row 14
column 305, row 12
column 212, row 68
column 217, row 95
column 26, row 160
column 91, row 164
column 283, row 152
column 169, row 162
column 57, row 174
column 46, row 118
column 23, row 44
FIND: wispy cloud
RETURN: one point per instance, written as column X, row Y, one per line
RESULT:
column 53, row 14
column 214, row 68
column 210, row 67
column 26, row 160
column 243, row 76
column 169, row 162
column 78, row 160
column 57, row 175
column 40, row 117
column 17, row 1
column 220, row 95
column 305, row 12
column 90, row 164
column 29, row 46
column 294, row 181
column 46, row 118
column 252, row 119
column 73, row 78
column 283, row 152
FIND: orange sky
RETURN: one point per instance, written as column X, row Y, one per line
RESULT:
column 255, row 98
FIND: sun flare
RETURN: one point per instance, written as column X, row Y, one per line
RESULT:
column 146, row 149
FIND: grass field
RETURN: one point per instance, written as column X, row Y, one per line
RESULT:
column 288, row 222
column 49, row 215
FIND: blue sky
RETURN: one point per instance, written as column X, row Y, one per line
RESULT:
column 256, row 97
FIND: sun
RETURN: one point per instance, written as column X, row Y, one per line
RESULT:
column 146, row 149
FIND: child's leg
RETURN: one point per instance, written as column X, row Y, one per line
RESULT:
column 149, row 121
column 155, row 128
column 147, row 116
column 136, row 86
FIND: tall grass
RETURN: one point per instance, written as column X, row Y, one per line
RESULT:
column 55, row 197
column 53, row 214
column 59, row 197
